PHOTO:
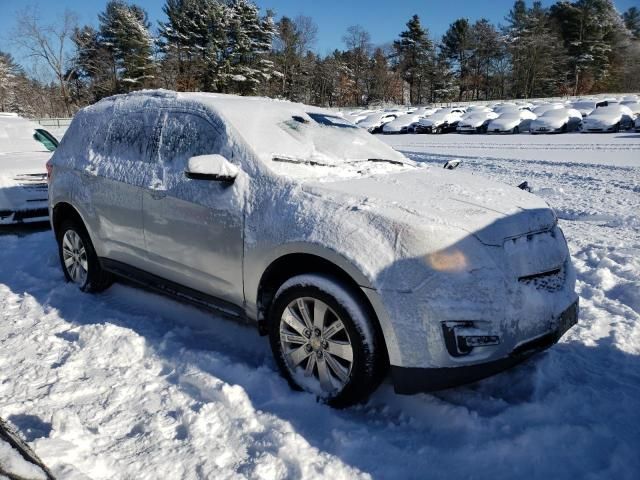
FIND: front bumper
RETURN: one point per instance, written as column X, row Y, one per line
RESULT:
column 409, row 380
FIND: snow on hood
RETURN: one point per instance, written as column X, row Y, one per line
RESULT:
column 22, row 163
column 505, row 122
column 426, row 197
column 609, row 115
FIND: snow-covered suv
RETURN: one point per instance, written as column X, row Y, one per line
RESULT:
column 351, row 257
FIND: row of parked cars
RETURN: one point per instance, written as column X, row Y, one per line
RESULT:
column 586, row 115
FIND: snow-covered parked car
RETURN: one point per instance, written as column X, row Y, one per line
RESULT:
column 476, row 121
column 351, row 257
column 612, row 118
column 557, row 120
column 512, row 121
column 633, row 106
column 442, row 121
column 25, row 148
column 375, row 121
column 402, row 124
column 586, row 106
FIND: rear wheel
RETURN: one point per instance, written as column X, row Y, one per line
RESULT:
column 516, row 130
column 78, row 258
column 323, row 340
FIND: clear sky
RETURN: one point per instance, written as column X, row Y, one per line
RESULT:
column 384, row 19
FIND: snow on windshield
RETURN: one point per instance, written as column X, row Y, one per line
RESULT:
column 298, row 133
column 16, row 135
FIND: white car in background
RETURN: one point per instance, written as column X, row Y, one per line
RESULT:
column 402, row 124
column 609, row 119
column 512, row 121
column 557, row 120
column 24, row 150
column 476, row 121
column 541, row 109
column 444, row 120
column 586, row 106
column 375, row 121
column 357, row 115
column 634, row 106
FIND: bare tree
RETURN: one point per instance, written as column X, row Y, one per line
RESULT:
column 48, row 44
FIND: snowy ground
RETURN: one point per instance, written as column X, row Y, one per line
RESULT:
column 128, row 384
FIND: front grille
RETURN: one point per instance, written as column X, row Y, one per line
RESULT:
column 28, row 214
column 550, row 281
column 32, row 181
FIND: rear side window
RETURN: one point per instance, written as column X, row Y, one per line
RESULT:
column 131, row 137
column 124, row 146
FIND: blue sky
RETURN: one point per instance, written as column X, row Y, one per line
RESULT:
column 384, row 19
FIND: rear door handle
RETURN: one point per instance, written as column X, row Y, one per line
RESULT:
column 90, row 177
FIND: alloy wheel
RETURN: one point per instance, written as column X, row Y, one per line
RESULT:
column 74, row 256
column 316, row 346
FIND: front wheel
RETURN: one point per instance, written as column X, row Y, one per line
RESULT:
column 323, row 340
column 78, row 258
column 516, row 130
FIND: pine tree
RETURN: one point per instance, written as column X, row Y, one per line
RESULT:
column 632, row 21
column 94, row 65
column 9, row 73
column 456, row 46
column 124, row 31
column 247, row 65
column 592, row 33
column 193, row 41
column 414, row 53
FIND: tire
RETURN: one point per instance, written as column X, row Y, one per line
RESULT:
column 516, row 130
column 339, row 358
column 78, row 258
column 564, row 128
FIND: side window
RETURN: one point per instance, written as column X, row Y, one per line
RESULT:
column 124, row 146
column 131, row 137
column 186, row 135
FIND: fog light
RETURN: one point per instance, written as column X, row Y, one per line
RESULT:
column 461, row 338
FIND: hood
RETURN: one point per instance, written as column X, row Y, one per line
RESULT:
column 607, row 118
column 22, row 163
column 427, row 197
column 549, row 122
column 504, row 123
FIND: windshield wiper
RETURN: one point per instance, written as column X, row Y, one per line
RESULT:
column 301, row 162
column 386, row 160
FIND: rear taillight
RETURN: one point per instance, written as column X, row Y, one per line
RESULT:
column 49, row 170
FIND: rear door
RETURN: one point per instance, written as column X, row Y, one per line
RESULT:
column 193, row 228
column 113, row 180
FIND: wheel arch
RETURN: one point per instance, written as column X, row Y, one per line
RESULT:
column 62, row 211
column 289, row 265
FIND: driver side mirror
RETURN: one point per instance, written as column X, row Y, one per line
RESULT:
column 211, row 167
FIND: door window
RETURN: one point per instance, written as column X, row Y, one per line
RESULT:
column 186, row 135
column 124, row 148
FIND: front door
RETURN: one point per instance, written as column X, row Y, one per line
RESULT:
column 193, row 228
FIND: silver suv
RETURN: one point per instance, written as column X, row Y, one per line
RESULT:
column 352, row 258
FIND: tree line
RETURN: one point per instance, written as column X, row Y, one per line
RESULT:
column 570, row 48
